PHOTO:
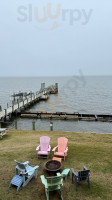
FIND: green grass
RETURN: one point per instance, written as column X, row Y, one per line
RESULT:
column 92, row 150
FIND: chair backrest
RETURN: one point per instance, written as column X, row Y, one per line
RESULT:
column 83, row 175
column 44, row 143
column 62, row 144
column 54, row 181
column 20, row 165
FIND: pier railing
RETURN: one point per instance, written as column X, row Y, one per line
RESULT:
column 42, row 94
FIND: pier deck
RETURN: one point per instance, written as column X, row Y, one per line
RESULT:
column 43, row 94
column 67, row 116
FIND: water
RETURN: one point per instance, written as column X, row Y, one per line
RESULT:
column 76, row 94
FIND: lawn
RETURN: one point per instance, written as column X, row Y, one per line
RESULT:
column 91, row 150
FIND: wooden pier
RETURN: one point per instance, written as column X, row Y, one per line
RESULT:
column 27, row 100
column 67, row 116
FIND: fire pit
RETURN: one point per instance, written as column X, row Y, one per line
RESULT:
column 53, row 166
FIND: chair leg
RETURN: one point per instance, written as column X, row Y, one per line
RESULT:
column 88, row 184
column 69, row 173
column 76, row 185
column 47, row 195
column 18, row 188
column 16, row 171
column 61, row 198
column 10, row 185
column 72, row 177
column 35, row 173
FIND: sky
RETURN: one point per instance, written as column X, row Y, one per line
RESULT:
column 55, row 37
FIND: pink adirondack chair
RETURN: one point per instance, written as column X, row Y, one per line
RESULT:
column 43, row 150
column 62, row 147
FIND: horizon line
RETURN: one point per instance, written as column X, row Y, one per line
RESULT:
column 54, row 76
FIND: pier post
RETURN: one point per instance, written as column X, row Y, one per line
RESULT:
column 33, row 125
column 31, row 95
column 16, row 124
column 10, row 115
column 27, row 101
column 51, row 126
column 23, row 102
column 18, row 103
column 34, row 97
column 0, row 125
column 0, row 108
column 12, row 107
column 56, row 86
column 5, row 113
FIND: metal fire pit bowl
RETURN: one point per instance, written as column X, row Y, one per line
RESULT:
column 53, row 166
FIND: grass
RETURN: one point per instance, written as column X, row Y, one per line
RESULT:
column 92, row 150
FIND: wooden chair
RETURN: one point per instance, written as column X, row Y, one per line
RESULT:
column 62, row 147
column 52, row 183
column 26, row 174
column 81, row 176
column 43, row 150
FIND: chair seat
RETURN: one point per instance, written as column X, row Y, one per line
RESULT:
column 58, row 153
column 43, row 152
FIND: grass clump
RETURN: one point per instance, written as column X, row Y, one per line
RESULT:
column 91, row 150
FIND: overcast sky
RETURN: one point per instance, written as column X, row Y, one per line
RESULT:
column 55, row 38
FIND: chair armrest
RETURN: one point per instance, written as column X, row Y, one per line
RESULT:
column 66, row 150
column 58, row 174
column 24, row 173
column 36, row 167
column 44, row 181
column 49, row 148
column 37, row 149
column 73, row 172
column 26, row 163
column 85, row 168
column 33, row 168
column 54, row 149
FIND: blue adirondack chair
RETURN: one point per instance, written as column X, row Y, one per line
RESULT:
column 26, row 174
column 52, row 183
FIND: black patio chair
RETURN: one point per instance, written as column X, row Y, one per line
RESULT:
column 81, row 176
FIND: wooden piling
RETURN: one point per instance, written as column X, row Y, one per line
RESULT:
column 51, row 126
column 33, row 125
column 16, row 126
column 56, row 86
column 0, row 108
